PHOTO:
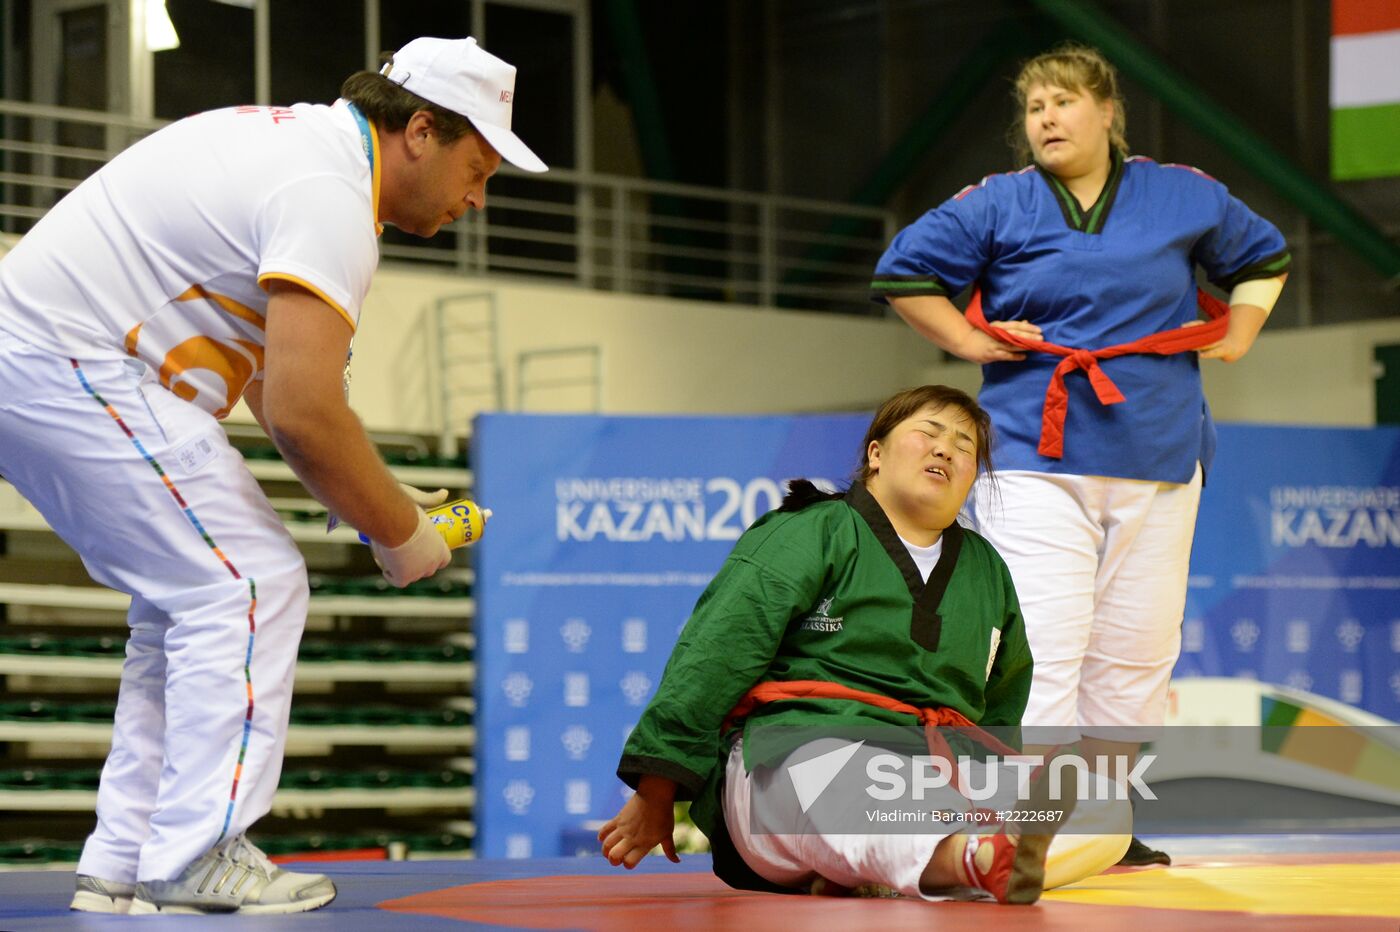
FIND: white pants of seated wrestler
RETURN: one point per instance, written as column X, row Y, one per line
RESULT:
column 1100, row 568
column 1092, row 841
column 147, row 490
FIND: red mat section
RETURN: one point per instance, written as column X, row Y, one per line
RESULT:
column 700, row 902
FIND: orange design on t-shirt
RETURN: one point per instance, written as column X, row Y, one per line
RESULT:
column 234, row 362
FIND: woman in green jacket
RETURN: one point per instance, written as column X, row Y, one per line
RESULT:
column 872, row 609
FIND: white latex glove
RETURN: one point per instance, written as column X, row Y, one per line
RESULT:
column 417, row 558
column 424, row 500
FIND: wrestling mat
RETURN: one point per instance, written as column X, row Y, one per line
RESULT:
column 1221, row 883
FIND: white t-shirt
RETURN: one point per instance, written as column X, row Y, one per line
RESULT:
column 925, row 558
column 164, row 253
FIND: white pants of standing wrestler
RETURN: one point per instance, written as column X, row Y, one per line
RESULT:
column 1094, row 839
column 219, row 598
column 1100, row 568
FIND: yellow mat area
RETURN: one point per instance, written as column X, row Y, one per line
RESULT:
column 1293, row 889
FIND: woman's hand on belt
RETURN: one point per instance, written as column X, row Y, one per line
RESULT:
column 980, row 347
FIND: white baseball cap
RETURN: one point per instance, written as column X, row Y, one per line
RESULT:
column 459, row 75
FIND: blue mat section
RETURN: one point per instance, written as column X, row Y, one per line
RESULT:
column 38, row 900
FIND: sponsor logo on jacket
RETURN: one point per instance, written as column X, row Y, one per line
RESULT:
column 821, row 618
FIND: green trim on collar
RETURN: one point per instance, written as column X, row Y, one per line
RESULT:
column 1092, row 220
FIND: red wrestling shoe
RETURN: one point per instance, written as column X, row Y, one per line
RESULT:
column 1016, row 874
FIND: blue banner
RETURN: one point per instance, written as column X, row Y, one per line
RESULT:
column 1295, row 573
column 606, row 530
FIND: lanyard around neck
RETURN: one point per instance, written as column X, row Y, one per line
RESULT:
column 366, row 139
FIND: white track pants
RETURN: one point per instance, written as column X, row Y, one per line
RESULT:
column 1100, row 568
column 895, row 859
column 147, row 490
column 1094, row 838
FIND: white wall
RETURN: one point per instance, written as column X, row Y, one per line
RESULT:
column 1320, row 375
column 671, row 356
column 658, row 355
column 1315, row 376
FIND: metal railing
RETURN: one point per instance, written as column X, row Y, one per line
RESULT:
column 597, row 231
column 568, row 368
column 468, row 369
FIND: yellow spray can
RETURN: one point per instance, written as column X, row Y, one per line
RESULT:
column 460, row 522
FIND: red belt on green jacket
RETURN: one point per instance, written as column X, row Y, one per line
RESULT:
column 931, row 718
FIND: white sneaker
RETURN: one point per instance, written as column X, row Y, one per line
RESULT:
column 233, row 876
column 102, row 896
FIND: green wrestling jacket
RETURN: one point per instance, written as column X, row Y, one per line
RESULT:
column 828, row 592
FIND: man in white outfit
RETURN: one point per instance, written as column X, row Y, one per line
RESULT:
column 227, row 255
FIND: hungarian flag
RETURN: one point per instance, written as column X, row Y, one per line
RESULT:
column 1365, row 88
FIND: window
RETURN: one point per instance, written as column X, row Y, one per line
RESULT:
column 213, row 67
column 314, row 47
